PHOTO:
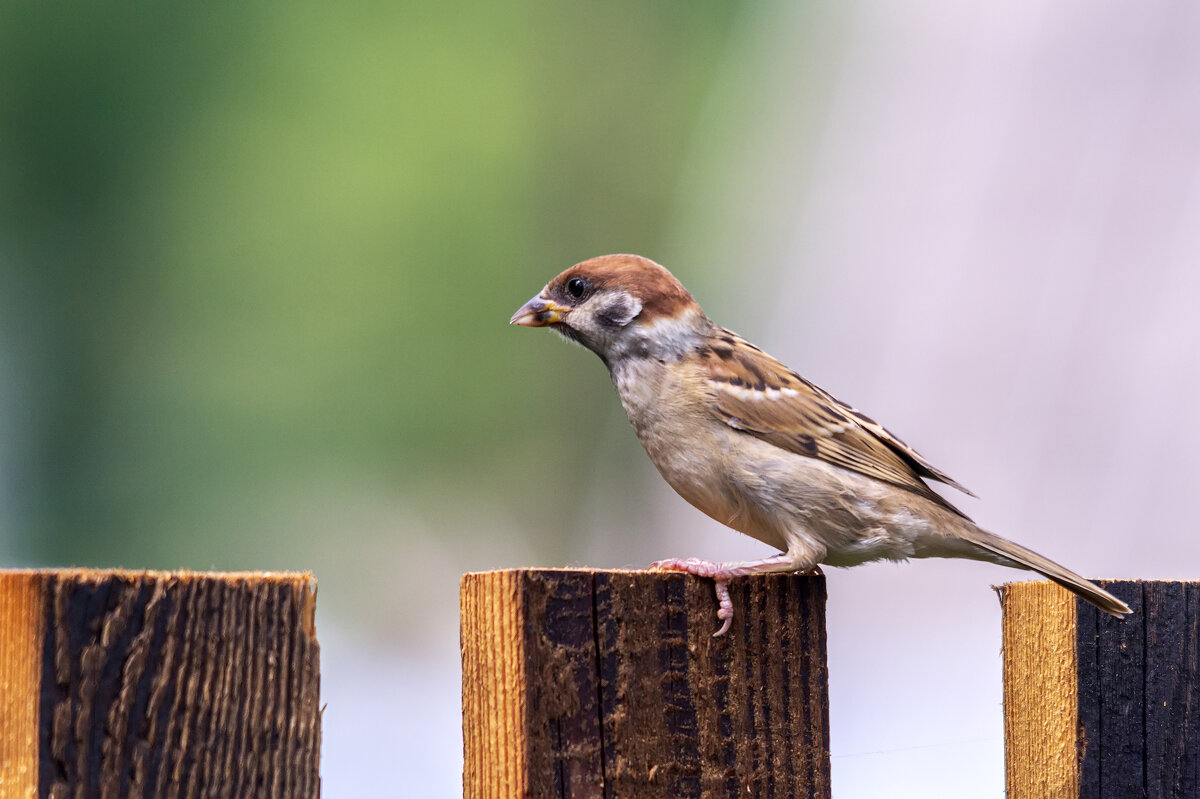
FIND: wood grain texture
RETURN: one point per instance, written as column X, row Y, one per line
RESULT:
column 176, row 684
column 493, row 700
column 1041, row 698
column 20, row 680
column 1133, row 729
column 1112, row 695
column 1172, row 612
column 610, row 684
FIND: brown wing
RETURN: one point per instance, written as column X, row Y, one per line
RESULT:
column 754, row 393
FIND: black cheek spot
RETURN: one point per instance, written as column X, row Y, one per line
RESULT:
column 616, row 314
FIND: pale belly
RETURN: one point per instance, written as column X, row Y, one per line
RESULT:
column 798, row 504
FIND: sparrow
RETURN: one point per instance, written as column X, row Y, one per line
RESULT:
column 754, row 445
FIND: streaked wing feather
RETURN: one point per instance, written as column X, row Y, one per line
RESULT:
column 754, row 393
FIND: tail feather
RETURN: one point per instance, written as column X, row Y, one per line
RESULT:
column 1028, row 559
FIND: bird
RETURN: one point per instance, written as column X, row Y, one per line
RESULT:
column 757, row 447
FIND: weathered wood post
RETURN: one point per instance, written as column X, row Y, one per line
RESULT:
column 138, row 684
column 1100, row 707
column 609, row 684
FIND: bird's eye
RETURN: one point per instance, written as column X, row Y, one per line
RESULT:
column 577, row 287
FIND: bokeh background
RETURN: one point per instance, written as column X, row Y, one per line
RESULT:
column 257, row 260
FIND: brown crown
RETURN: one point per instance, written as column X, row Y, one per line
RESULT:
column 661, row 294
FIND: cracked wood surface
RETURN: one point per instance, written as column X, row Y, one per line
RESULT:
column 609, row 684
column 132, row 684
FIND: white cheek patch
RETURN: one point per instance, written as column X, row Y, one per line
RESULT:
column 621, row 309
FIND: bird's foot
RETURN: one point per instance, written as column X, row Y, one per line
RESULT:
column 722, row 573
column 700, row 568
column 719, row 572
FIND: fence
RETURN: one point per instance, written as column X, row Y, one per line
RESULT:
column 576, row 683
column 608, row 684
column 130, row 684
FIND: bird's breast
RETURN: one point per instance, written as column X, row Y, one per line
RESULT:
column 689, row 446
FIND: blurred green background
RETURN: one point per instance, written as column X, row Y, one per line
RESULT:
column 258, row 261
column 256, row 266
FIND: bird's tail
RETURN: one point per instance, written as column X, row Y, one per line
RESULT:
column 1028, row 559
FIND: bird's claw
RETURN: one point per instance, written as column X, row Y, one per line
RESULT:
column 724, row 608
column 719, row 572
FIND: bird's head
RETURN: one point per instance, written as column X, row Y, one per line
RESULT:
column 617, row 306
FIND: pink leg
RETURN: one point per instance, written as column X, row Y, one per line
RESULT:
column 722, row 573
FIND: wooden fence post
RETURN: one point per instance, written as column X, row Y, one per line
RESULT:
column 609, row 684
column 130, row 684
column 1099, row 707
